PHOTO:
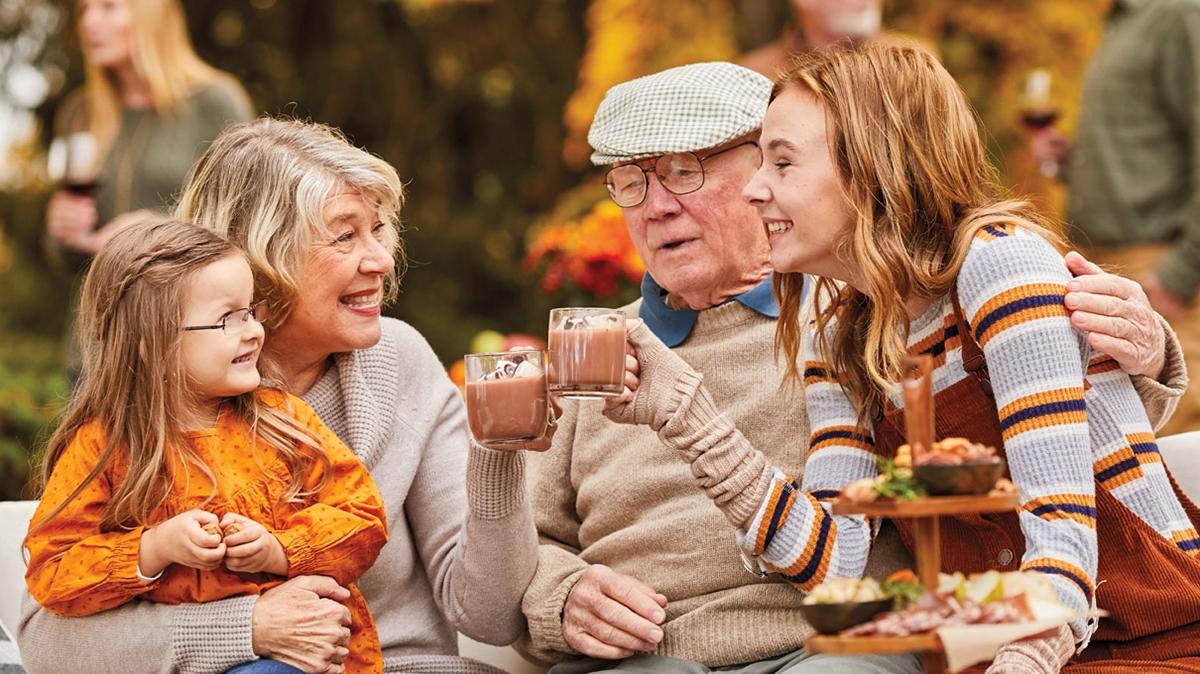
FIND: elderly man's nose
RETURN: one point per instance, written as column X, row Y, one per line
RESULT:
column 660, row 202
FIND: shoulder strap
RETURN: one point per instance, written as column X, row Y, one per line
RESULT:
column 973, row 361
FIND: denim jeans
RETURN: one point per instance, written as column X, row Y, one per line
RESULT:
column 264, row 667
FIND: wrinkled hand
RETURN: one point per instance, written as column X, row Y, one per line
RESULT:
column 539, row 445
column 70, row 218
column 610, row 615
column 301, row 623
column 250, row 548
column 181, row 540
column 1117, row 317
column 1165, row 302
column 651, row 371
column 1040, row 656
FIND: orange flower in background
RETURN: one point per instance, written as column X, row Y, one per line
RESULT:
column 593, row 253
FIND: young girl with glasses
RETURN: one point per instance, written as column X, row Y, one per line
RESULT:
column 177, row 475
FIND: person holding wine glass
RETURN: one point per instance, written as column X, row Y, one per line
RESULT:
column 1038, row 116
column 1133, row 168
column 147, row 107
column 126, row 139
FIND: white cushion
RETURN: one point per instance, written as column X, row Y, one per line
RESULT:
column 1181, row 452
column 14, row 522
column 503, row 657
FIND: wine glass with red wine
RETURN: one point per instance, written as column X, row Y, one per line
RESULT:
column 73, row 162
column 1039, row 112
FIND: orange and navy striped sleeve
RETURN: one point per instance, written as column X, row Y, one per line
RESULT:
column 1012, row 287
column 794, row 531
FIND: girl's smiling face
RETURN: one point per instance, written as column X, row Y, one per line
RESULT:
column 798, row 190
column 221, row 363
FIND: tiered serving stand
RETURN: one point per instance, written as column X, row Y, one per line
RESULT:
column 918, row 402
column 927, row 549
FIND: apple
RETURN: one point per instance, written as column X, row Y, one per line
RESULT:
column 487, row 341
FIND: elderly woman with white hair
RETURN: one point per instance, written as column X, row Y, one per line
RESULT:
column 319, row 221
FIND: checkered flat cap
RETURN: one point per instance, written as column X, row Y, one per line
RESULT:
column 682, row 109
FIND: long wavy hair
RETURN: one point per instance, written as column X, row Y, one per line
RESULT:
column 262, row 185
column 915, row 174
column 163, row 56
column 134, row 382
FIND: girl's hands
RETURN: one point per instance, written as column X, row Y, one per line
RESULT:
column 199, row 539
column 250, row 548
column 181, row 540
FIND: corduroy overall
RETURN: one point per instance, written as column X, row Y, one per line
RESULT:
column 1151, row 588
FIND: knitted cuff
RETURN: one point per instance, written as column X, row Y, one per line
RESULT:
column 214, row 636
column 733, row 474
column 495, row 482
column 1161, row 396
column 545, row 620
column 1042, row 656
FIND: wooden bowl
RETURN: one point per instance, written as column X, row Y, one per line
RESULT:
column 833, row 618
column 963, row 479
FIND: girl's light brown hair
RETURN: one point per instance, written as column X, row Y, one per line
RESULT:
column 914, row 172
column 263, row 185
column 134, row 384
column 163, row 56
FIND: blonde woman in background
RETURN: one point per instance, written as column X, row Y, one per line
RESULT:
column 147, row 108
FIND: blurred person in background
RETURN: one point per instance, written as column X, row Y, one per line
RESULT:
column 148, row 107
column 1133, row 170
column 821, row 23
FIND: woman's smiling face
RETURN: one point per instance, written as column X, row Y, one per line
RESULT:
column 798, row 191
column 342, row 281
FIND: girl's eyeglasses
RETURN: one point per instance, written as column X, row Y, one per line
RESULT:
column 234, row 322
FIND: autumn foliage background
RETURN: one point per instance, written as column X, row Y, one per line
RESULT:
column 483, row 107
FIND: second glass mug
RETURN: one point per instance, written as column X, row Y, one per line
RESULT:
column 507, row 402
column 587, row 352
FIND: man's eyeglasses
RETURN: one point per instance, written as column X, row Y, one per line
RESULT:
column 234, row 323
column 679, row 173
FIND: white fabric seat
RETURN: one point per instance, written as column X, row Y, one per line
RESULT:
column 1181, row 453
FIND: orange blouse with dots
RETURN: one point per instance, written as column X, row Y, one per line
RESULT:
column 76, row 569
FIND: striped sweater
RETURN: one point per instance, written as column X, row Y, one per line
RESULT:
column 1070, row 419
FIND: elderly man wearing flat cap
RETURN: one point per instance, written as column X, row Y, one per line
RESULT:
column 638, row 571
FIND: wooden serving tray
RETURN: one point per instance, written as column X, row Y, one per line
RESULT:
column 930, row 506
column 836, row 645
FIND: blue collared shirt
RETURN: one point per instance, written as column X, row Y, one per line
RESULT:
column 673, row 326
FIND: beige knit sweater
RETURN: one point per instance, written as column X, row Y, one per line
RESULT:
column 613, row 494
column 461, row 552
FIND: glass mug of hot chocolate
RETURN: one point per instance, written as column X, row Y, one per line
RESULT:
column 506, row 396
column 587, row 352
